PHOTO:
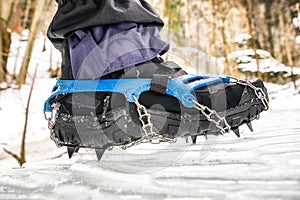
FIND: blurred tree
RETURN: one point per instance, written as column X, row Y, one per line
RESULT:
column 213, row 37
column 172, row 10
column 251, row 7
column 288, row 35
column 33, row 31
column 223, row 10
column 17, row 15
column 4, row 39
column 269, row 23
column 209, row 23
column 187, row 19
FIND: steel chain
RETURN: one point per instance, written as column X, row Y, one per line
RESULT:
column 214, row 117
column 261, row 95
column 51, row 124
column 148, row 134
column 147, row 125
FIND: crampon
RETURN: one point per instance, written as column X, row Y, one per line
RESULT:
column 130, row 110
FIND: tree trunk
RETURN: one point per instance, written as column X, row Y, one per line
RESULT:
column 4, row 45
column 2, row 67
column 187, row 19
column 269, row 24
column 14, row 16
column 212, row 42
column 167, row 13
column 198, row 47
column 34, row 28
column 223, row 10
column 225, row 46
column 251, row 19
column 26, row 14
column 286, row 29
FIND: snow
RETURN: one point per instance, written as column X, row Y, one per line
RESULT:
column 241, row 38
column 40, row 56
column 260, row 165
column 296, row 21
column 247, row 62
column 13, row 102
column 284, row 97
column 298, row 40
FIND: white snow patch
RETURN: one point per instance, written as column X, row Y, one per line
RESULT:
column 298, row 40
column 41, row 55
column 284, row 97
column 247, row 62
column 241, row 38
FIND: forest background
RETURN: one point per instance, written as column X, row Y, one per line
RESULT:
column 210, row 26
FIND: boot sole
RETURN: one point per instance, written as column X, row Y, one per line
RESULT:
column 119, row 128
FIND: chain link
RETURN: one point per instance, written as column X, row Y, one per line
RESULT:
column 147, row 125
column 51, row 124
column 258, row 91
column 54, row 138
column 148, row 134
column 214, row 117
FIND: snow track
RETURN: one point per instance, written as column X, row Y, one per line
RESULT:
column 262, row 165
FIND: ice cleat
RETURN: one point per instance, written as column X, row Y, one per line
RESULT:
column 139, row 105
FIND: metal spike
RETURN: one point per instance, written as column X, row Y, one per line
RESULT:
column 99, row 153
column 194, row 138
column 236, row 132
column 187, row 139
column 250, row 126
column 77, row 149
column 110, row 148
column 257, row 114
column 71, row 151
column 205, row 135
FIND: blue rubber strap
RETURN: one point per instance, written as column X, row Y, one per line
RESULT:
column 177, row 87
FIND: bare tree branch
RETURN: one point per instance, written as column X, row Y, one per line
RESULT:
column 22, row 158
column 12, row 154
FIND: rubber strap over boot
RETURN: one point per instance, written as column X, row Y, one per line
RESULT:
column 159, row 83
column 180, row 88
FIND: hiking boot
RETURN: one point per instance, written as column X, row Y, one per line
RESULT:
column 172, row 105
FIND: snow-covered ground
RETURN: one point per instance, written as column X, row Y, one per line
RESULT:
column 13, row 102
column 260, row 165
column 12, row 117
